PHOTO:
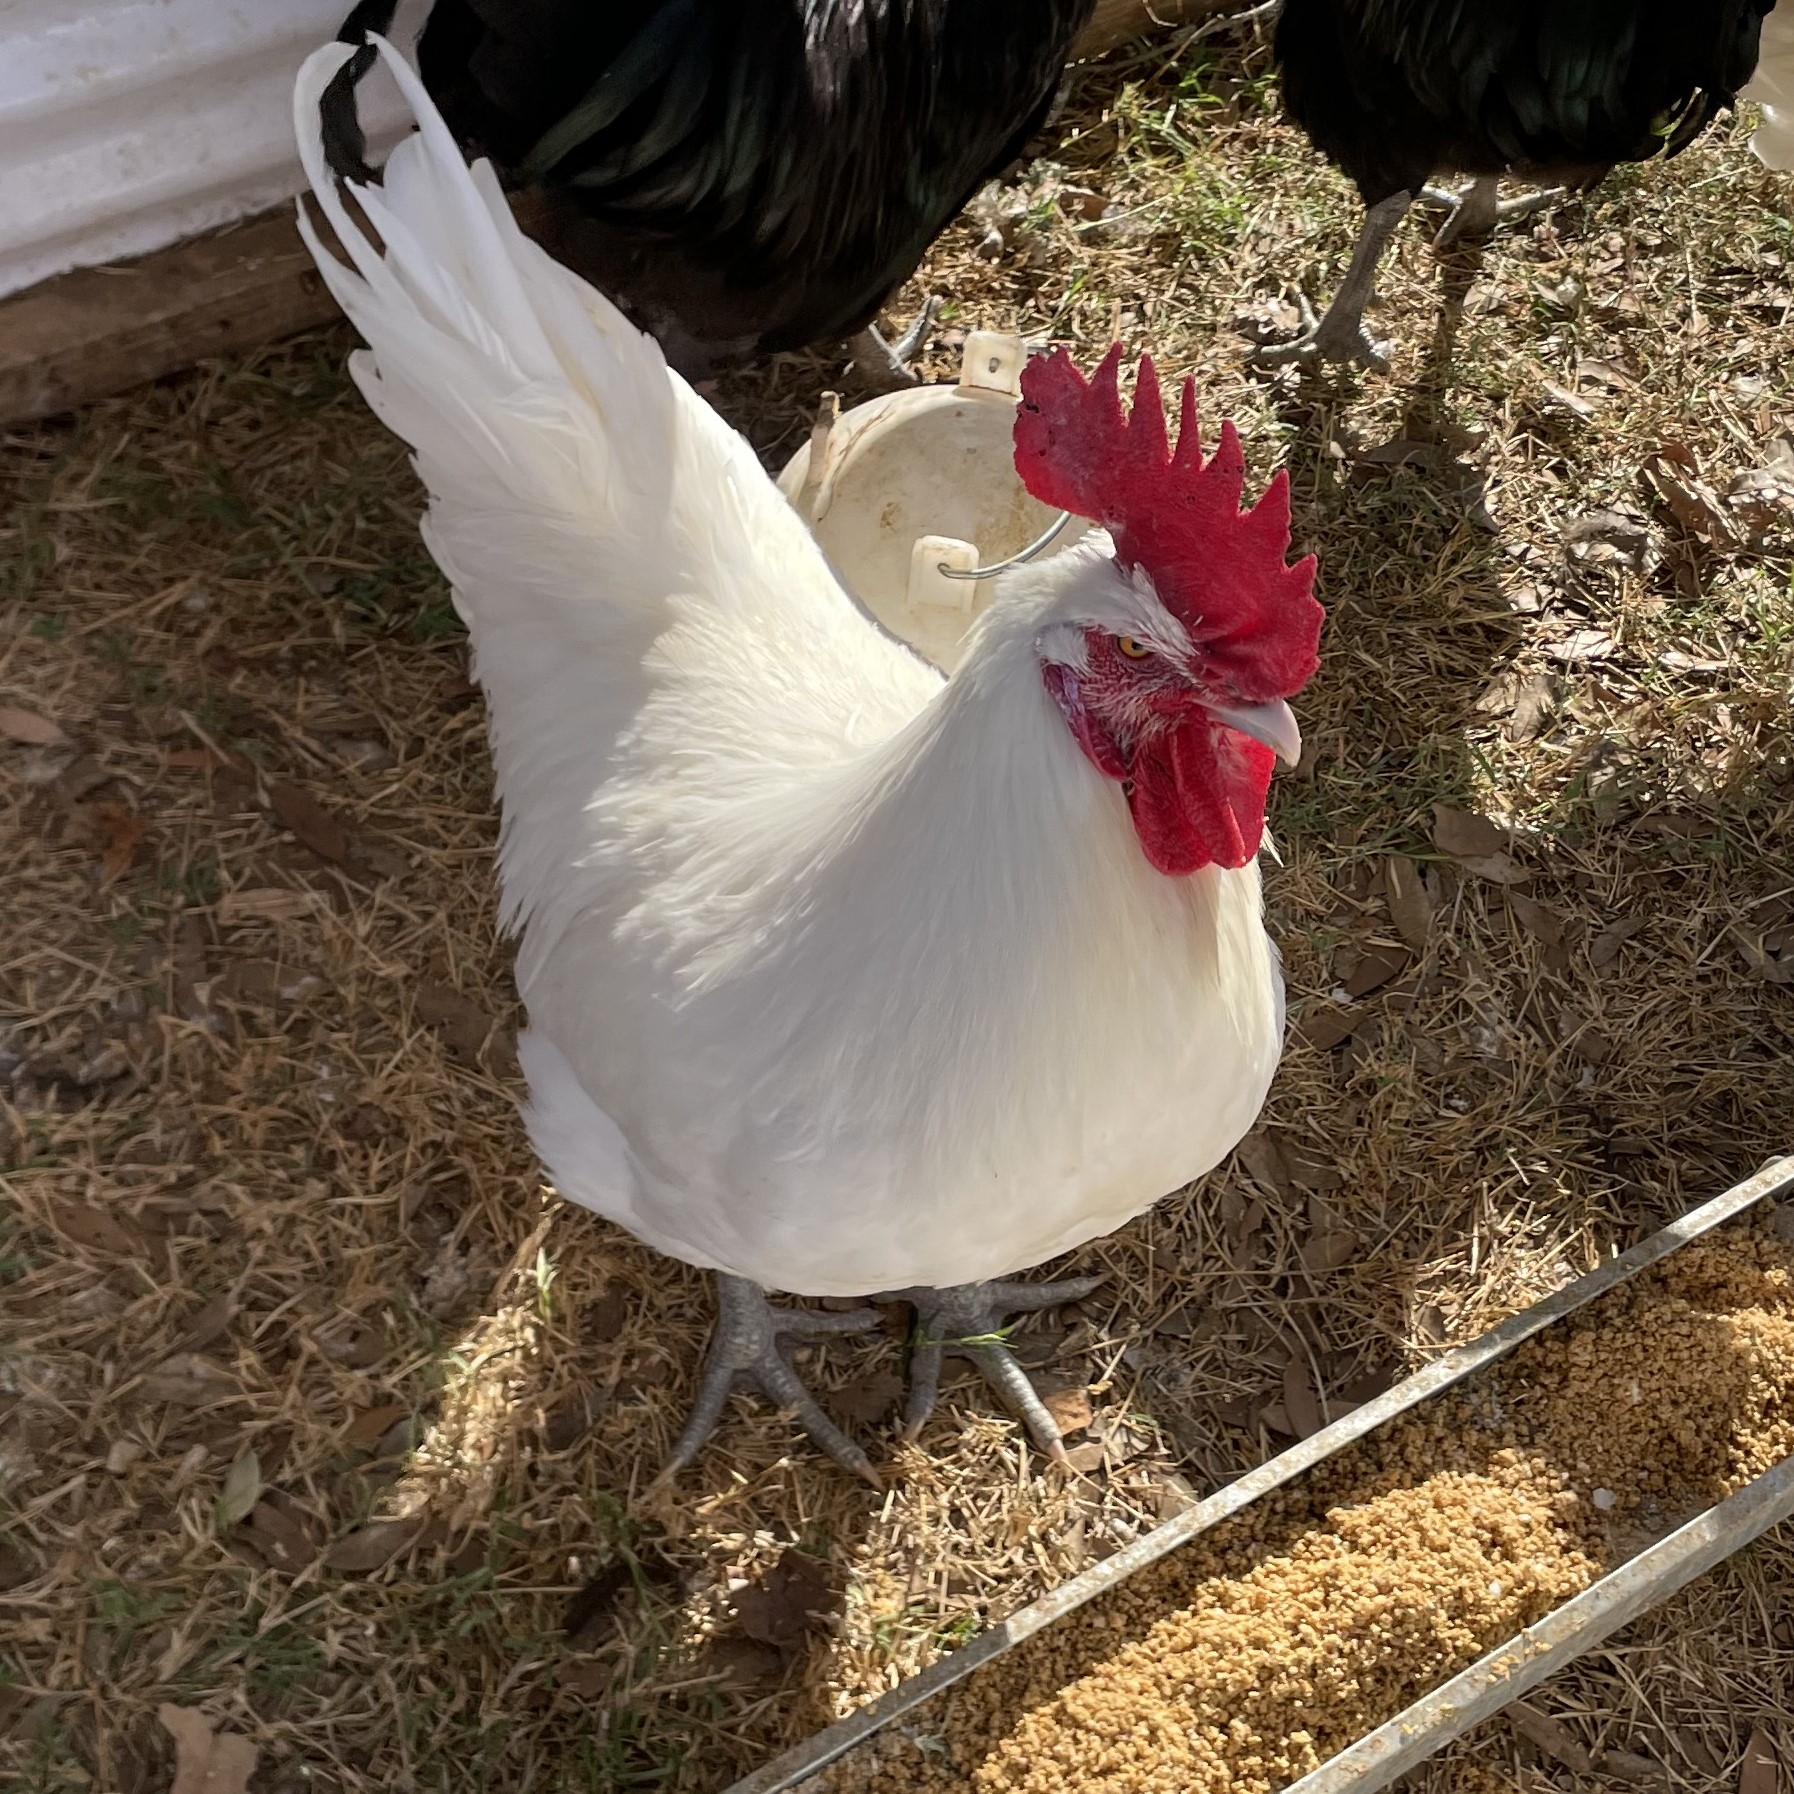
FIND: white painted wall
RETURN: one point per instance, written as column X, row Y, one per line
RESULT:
column 126, row 125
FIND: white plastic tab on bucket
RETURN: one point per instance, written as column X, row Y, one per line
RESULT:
column 992, row 362
column 929, row 588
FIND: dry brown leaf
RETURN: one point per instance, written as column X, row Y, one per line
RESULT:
column 1773, row 968
column 1674, row 475
column 602, row 1318
column 1070, row 1408
column 1325, row 1027
column 1607, row 536
column 1311, row 1173
column 266, row 984
column 28, row 728
column 1497, row 868
column 565, row 1424
column 206, row 1323
column 309, row 821
column 269, row 905
column 1759, row 1772
column 1555, row 1739
column 1300, row 1403
column 1328, row 1251
column 1187, row 1320
column 100, row 1230
column 1535, row 701
column 1410, row 908
column 374, row 1547
column 1463, row 832
column 1536, row 919
column 1376, row 967
column 1581, row 646
column 1605, row 947
column 119, row 832
column 1241, row 1226
column 741, row 1663
column 190, row 1381
column 242, row 1490
column 206, row 1761
column 279, row 1537
column 367, row 1426
column 1085, row 1459
column 1565, row 400
column 1263, row 1158
column 588, row 1680
column 1173, row 1495
column 1627, row 1766
column 797, row 1595
column 868, row 1399
column 1275, row 1417
column 462, row 1023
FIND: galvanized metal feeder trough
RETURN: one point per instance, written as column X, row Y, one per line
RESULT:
column 1501, row 1675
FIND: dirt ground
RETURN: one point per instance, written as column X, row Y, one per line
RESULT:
column 320, row 1417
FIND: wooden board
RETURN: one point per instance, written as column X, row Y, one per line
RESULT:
column 97, row 331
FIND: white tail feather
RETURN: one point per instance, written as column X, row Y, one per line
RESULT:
column 580, row 495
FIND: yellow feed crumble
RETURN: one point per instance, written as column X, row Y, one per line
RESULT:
column 1245, row 1660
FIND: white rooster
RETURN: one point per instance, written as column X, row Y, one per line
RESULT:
column 842, row 977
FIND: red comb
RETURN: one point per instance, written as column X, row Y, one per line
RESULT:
column 1221, row 571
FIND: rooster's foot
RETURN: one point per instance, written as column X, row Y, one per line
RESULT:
column 970, row 1319
column 885, row 367
column 744, row 1352
column 1338, row 337
column 1479, row 208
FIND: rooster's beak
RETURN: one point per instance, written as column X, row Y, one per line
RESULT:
column 1274, row 724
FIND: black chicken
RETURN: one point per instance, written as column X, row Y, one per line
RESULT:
column 1394, row 91
column 741, row 175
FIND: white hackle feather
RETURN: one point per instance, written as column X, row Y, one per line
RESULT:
column 1772, row 87
column 840, row 976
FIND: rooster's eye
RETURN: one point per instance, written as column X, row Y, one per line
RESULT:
column 1134, row 650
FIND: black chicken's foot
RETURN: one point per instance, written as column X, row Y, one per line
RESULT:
column 1340, row 335
column 885, row 367
column 1479, row 208
column 971, row 1319
column 744, row 1352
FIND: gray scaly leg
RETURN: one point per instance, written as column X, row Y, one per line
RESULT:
column 885, row 366
column 1479, row 208
column 744, row 1352
column 971, row 1319
column 1340, row 335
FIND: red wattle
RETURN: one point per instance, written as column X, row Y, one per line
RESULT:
column 1198, row 795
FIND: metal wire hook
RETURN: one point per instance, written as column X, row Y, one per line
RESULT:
column 1043, row 540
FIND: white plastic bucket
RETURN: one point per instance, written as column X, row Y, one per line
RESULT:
column 898, row 487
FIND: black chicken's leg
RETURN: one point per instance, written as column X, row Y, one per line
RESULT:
column 744, row 1350
column 971, row 1319
column 1480, row 208
column 1340, row 335
column 885, row 366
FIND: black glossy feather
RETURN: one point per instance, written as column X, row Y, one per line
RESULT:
column 743, row 175
column 1393, row 91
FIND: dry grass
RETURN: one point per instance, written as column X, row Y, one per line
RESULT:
column 260, row 1096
